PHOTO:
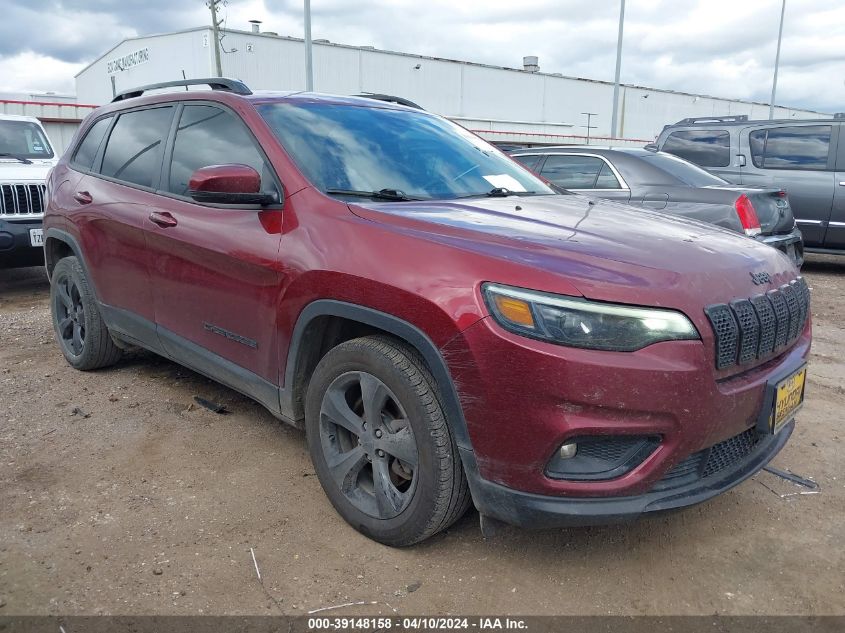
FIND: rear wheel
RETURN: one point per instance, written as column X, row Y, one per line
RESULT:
column 380, row 443
column 83, row 337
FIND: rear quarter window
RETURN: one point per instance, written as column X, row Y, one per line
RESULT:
column 708, row 148
column 87, row 150
column 795, row 147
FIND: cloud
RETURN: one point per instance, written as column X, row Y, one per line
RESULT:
column 80, row 30
column 718, row 47
column 30, row 72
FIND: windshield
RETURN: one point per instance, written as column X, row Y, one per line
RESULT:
column 686, row 172
column 366, row 149
column 24, row 139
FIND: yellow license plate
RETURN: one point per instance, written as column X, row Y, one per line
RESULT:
column 789, row 396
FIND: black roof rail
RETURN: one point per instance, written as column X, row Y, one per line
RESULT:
column 391, row 99
column 215, row 83
column 713, row 119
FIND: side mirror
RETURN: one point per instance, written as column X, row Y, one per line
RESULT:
column 229, row 184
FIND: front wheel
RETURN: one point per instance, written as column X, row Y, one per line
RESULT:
column 83, row 337
column 380, row 443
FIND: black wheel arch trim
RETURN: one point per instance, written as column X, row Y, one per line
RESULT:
column 391, row 324
column 68, row 239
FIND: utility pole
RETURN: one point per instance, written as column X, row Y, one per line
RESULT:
column 777, row 63
column 309, row 67
column 589, row 127
column 213, row 6
column 614, row 130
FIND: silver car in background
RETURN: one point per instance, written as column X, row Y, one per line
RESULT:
column 664, row 182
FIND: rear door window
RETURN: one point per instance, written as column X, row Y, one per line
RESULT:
column 135, row 146
column 208, row 135
column 87, row 150
column 797, row 147
column 579, row 172
column 708, row 148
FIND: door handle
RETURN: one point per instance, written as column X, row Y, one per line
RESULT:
column 842, row 184
column 163, row 219
column 83, row 197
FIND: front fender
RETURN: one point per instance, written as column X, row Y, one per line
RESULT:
column 394, row 325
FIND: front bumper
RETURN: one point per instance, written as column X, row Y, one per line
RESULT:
column 522, row 399
column 792, row 244
column 15, row 247
column 678, row 489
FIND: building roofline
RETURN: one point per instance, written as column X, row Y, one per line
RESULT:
column 139, row 37
column 449, row 60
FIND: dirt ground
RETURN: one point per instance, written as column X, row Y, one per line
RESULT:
column 117, row 496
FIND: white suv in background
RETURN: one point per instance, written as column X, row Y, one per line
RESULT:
column 26, row 157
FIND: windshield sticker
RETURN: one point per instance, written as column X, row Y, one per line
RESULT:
column 505, row 181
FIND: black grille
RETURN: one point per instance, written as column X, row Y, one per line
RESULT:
column 768, row 324
column 710, row 460
column 21, row 199
column 727, row 334
column 781, row 316
column 685, row 472
column 805, row 291
column 610, row 449
column 727, row 453
column 791, row 297
column 751, row 329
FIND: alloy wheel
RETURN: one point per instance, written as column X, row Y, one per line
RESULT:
column 368, row 444
column 70, row 315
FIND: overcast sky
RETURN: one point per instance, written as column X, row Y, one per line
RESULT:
column 718, row 47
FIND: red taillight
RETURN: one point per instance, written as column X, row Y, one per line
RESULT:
column 747, row 215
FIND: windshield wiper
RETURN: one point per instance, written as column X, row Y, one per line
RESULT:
column 496, row 192
column 381, row 194
column 25, row 161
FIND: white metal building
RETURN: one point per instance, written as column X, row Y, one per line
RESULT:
column 503, row 104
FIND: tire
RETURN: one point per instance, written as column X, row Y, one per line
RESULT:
column 82, row 336
column 400, row 480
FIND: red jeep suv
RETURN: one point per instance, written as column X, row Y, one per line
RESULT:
column 445, row 327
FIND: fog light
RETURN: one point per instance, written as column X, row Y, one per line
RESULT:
column 600, row 457
column 568, row 451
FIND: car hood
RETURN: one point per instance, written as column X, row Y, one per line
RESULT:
column 12, row 170
column 605, row 250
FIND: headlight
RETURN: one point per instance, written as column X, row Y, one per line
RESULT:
column 582, row 323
